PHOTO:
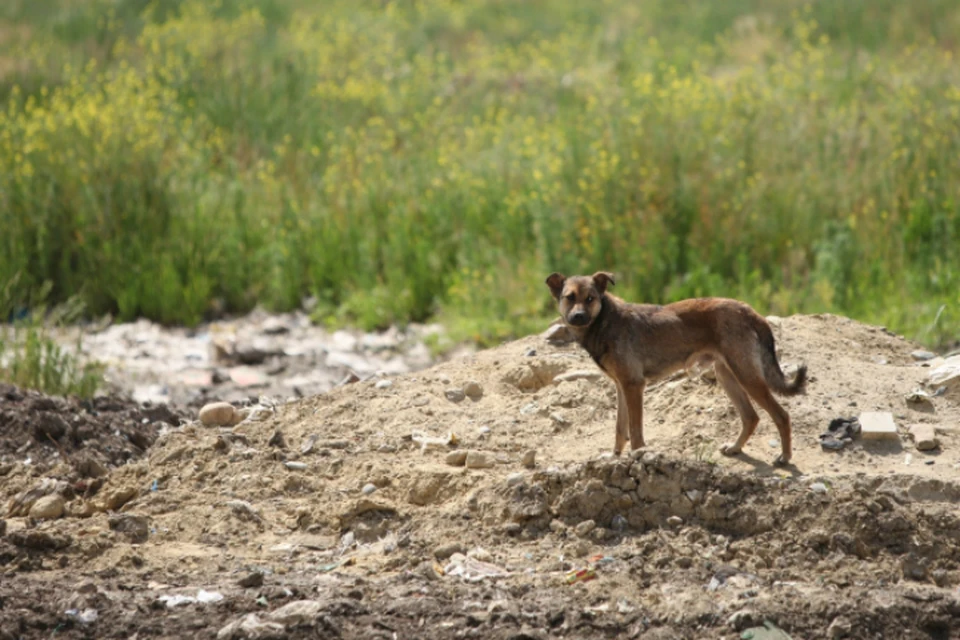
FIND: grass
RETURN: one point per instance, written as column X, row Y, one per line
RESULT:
column 30, row 356
column 424, row 159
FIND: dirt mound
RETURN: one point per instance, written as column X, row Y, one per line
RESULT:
column 454, row 502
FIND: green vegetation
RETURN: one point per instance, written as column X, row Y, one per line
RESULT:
column 401, row 160
column 30, row 356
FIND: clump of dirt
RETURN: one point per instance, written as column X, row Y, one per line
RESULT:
column 456, row 502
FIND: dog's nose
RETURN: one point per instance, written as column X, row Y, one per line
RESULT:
column 578, row 318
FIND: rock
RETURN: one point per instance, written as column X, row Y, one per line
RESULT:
column 922, row 355
column 841, row 627
column 529, row 459
column 49, row 426
column 39, row 540
column 946, row 375
column 456, row 458
column 275, row 326
column 584, row 528
column 295, row 466
column 447, row 550
column 384, row 384
column 818, row 487
column 243, row 510
column 252, row 627
column 514, row 479
column 350, row 378
column 277, row 440
column 89, row 467
column 481, row 554
column 3, row 528
column 220, row 414
column 590, row 375
column 878, row 425
column 455, row 395
column 674, row 521
column 478, row 460
column 296, row 613
column 251, row 355
column 135, row 528
column 914, row 566
column 368, row 489
column 530, row 353
column 252, row 580
column 473, row 390
column 925, row 437
column 742, row 619
column 47, row 508
column 559, row 334
column 918, row 396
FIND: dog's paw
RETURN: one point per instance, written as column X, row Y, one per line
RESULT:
column 730, row 449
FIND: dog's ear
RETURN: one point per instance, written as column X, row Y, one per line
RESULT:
column 555, row 282
column 603, row 279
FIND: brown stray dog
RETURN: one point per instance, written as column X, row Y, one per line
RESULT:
column 638, row 343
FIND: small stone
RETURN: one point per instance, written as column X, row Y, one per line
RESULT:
column 445, row 551
column 529, row 459
column 295, row 466
column 135, row 528
column 514, row 479
column 277, row 440
column 740, row 620
column 559, row 334
column 922, row 355
column 878, row 425
column 368, row 489
column 47, row 508
column 478, row 460
column 925, row 437
column 584, row 528
column 251, row 580
column 581, row 374
column 275, row 327
column 818, row 487
column 841, row 627
column 559, row 418
column 530, row 353
column 384, row 384
column 220, row 414
column 297, row 613
column 455, row 395
column 674, row 521
column 481, row 554
column 473, row 390
column 350, row 378
column 457, row 458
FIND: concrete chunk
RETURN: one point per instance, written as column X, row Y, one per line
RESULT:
column 878, row 425
column 925, row 437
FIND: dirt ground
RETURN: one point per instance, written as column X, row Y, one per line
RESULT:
column 350, row 514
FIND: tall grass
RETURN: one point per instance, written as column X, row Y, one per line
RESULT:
column 410, row 159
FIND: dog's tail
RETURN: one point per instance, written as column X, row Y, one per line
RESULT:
column 771, row 368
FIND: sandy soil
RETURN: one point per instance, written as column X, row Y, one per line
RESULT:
column 350, row 514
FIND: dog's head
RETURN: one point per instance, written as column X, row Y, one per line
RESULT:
column 578, row 297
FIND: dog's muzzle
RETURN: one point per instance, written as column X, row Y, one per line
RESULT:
column 578, row 319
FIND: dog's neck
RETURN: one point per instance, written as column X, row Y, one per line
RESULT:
column 589, row 337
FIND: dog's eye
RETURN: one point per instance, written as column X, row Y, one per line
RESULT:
column 589, row 299
column 571, row 297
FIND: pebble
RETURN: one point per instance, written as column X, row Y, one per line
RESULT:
column 47, row 508
column 514, row 479
column 135, row 528
column 220, row 414
column 818, row 487
column 473, row 390
column 368, row 489
column 674, row 521
column 584, row 528
column 559, row 334
column 530, row 353
column 251, row 580
column 922, row 355
column 445, row 551
column 295, row 466
column 580, row 374
column 529, row 459
column 457, row 458
column 925, row 437
column 384, row 384
column 841, row 627
column 481, row 554
column 455, row 395
column 297, row 613
column 478, row 460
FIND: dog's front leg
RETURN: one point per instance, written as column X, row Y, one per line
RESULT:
column 633, row 393
column 623, row 421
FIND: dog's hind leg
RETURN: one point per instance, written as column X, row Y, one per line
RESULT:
column 623, row 421
column 741, row 401
column 755, row 385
